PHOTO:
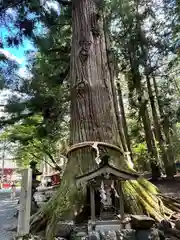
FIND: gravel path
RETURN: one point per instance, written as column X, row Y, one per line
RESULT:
column 8, row 208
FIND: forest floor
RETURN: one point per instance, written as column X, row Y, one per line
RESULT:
column 169, row 187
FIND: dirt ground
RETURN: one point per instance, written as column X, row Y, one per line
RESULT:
column 169, row 187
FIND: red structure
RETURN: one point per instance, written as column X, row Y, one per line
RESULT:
column 55, row 179
column 8, row 172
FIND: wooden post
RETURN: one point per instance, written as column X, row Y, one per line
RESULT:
column 92, row 202
column 121, row 201
column 25, row 203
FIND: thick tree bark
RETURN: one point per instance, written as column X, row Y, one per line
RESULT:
column 92, row 108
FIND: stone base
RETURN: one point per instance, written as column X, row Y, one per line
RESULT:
column 125, row 234
column 141, row 222
column 105, row 225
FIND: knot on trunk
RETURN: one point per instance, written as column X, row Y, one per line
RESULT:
column 84, row 52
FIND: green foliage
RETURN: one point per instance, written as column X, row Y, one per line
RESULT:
column 141, row 157
column 38, row 109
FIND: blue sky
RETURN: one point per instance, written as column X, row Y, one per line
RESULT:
column 19, row 52
column 16, row 51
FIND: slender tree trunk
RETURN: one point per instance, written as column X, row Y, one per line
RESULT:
column 157, row 126
column 169, row 161
column 113, row 75
column 154, row 112
column 154, row 162
column 113, row 67
column 150, row 141
column 143, row 112
column 124, row 122
column 161, row 111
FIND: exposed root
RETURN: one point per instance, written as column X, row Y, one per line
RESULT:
column 147, row 199
column 142, row 197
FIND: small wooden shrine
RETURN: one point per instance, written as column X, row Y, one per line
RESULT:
column 106, row 180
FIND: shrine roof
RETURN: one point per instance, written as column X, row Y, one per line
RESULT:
column 107, row 169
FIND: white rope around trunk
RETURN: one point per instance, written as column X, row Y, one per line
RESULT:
column 94, row 145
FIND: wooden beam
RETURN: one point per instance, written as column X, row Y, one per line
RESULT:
column 121, row 200
column 122, row 175
column 92, row 202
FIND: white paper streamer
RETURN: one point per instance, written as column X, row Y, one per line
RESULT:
column 115, row 192
column 102, row 193
column 97, row 159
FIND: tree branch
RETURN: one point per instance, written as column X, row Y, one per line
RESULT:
column 14, row 119
column 43, row 159
column 59, row 49
column 4, row 6
column 64, row 2
column 49, row 155
column 8, row 4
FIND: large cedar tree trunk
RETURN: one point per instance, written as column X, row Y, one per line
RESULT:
column 92, row 102
column 92, row 107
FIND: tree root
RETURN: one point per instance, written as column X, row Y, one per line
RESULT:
column 141, row 196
